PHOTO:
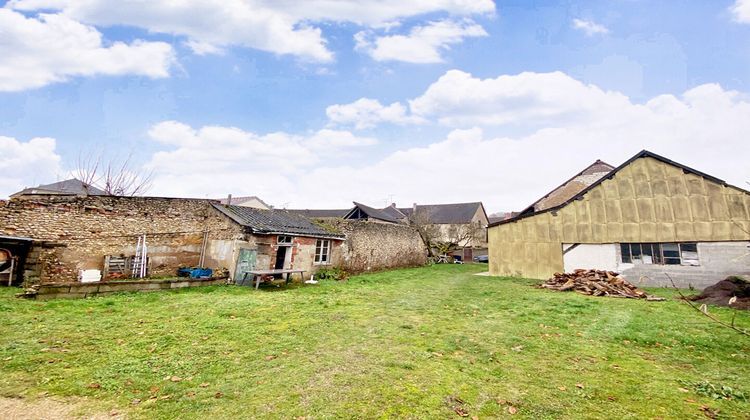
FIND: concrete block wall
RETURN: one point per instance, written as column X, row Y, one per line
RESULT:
column 718, row 260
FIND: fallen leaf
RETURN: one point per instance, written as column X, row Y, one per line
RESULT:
column 175, row 379
column 190, row 394
column 512, row 410
column 561, row 388
column 204, row 385
column 165, row 397
column 580, row 386
column 154, row 389
column 611, row 398
column 113, row 413
column 94, row 385
column 270, row 357
column 218, row 395
column 461, row 412
column 501, row 402
column 684, row 389
column 136, row 401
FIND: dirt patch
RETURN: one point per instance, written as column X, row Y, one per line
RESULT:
column 721, row 292
column 48, row 409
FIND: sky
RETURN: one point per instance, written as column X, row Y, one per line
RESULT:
column 319, row 103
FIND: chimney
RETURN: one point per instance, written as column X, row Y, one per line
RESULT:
column 229, row 200
column 414, row 207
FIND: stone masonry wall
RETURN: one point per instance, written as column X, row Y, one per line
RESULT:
column 78, row 232
column 377, row 246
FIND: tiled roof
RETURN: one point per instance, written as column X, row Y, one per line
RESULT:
column 571, row 187
column 373, row 213
column 275, row 222
column 457, row 213
column 243, row 199
column 68, row 187
column 394, row 212
column 320, row 213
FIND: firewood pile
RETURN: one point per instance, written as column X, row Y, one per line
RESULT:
column 596, row 283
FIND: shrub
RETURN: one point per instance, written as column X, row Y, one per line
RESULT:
column 331, row 273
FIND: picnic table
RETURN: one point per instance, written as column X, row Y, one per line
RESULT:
column 257, row 275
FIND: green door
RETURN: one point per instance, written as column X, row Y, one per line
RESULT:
column 245, row 263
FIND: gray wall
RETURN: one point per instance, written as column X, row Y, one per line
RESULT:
column 718, row 260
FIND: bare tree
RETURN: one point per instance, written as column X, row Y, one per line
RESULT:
column 443, row 239
column 112, row 176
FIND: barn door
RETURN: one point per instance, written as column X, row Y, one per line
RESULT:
column 245, row 263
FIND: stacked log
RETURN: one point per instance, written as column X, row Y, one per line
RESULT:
column 596, row 283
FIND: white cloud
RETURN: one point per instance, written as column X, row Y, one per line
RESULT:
column 277, row 26
column 422, row 45
column 367, row 113
column 589, row 27
column 27, row 164
column 52, row 48
column 459, row 99
column 741, row 11
column 229, row 159
column 706, row 127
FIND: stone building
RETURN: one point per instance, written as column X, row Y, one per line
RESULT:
column 277, row 239
column 65, row 234
column 53, row 237
column 647, row 218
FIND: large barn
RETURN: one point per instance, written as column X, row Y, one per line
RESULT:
column 647, row 218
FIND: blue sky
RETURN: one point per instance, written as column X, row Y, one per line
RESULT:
column 497, row 102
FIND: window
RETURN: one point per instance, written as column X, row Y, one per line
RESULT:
column 322, row 251
column 284, row 240
column 662, row 254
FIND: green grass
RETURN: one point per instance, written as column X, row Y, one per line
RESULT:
column 406, row 343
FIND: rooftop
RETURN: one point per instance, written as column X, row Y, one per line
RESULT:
column 268, row 222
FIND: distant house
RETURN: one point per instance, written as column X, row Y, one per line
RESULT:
column 363, row 212
column 462, row 223
column 249, row 201
column 648, row 218
column 72, row 187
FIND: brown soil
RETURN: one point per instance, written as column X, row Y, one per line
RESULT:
column 721, row 292
column 47, row 409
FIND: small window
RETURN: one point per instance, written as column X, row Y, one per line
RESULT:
column 284, row 240
column 660, row 253
column 689, row 254
column 671, row 254
column 322, row 251
column 625, row 252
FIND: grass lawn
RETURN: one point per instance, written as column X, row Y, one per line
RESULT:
column 417, row 343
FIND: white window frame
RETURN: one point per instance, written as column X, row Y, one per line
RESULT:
column 322, row 249
column 279, row 240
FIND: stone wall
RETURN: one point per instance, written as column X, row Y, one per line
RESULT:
column 377, row 246
column 75, row 233
column 83, row 290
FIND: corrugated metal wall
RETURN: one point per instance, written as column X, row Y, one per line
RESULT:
column 646, row 201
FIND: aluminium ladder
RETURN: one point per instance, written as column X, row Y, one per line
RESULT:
column 140, row 261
